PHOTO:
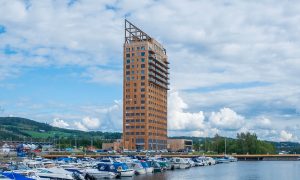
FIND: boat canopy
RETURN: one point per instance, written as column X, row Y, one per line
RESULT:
column 16, row 176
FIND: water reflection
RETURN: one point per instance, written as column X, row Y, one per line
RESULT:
column 242, row 170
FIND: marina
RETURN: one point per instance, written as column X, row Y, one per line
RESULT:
column 67, row 168
column 139, row 167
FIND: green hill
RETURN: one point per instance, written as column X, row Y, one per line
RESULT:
column 15, row 128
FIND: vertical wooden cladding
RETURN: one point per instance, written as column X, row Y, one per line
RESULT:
column 145, row 85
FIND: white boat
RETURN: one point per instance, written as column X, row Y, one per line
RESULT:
column 137, row 167
column 210, row 161
column 191, row 162
column 181, row 163
column 54, row 173
column 34, row 164
column 92, row 173
column 123, row 169
column 146, row 166
column 231, row 158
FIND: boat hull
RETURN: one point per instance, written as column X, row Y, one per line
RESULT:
column 149, row 170
column 128, row 173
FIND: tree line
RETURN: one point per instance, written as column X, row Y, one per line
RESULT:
column 245, row 143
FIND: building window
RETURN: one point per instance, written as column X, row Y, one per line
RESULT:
column 132, row 60
column 142, row 53
column 132, row 72
column 142, row 71
column 132, row 54
column 143, row 48
column 140, row 140
column 127, row 72
column 142, row 83
column 128, row 55
column 127, row 66
column 142, row 77
column 143, row 59
column 128, row 78
column 142, row 89
column 132, row 77
column 142, row 65
column 128, row 61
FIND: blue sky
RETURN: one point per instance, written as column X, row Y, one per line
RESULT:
column 234, row 64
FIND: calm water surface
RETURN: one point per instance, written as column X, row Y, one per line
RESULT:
column 242, row 170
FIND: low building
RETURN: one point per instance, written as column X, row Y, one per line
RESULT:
column 175, row 145
column 112, row 146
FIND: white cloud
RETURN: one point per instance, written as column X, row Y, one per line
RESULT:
column 287, row 136
column 59, row 123
column 220, row 44
column 103, row 76
column 91, row 123
column 227, row 119
column 80, row 126
column 179, row 119
column 262, row 123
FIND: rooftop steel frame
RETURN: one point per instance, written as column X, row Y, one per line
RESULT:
column 133, row 33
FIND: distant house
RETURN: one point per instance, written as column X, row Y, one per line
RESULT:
column 180, row 145
column 112, row 146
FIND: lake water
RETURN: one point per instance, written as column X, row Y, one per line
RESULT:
column 242, row 170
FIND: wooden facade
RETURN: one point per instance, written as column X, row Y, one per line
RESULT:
column 145, row 86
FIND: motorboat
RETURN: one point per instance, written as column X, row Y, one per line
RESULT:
column 181, row 162
column 199, row 161
column 3, row 177
column 102, row 170
column 54, row 173
column 165, row 163
column 20, row 169
column 222, row 160
column 34, row 164
column 155, row 165
column 13, row 175
column 123, row 169
column 191, row 162
column 148, row 168
column 231, row 158
column 137, row 167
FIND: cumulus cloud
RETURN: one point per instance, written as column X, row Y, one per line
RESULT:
column 236, row 57
column 80, row 126
column 287, row 136
column 179, row 119
column 91, row 123
column 59, row 123
column 227, row 119
column 262, row 123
